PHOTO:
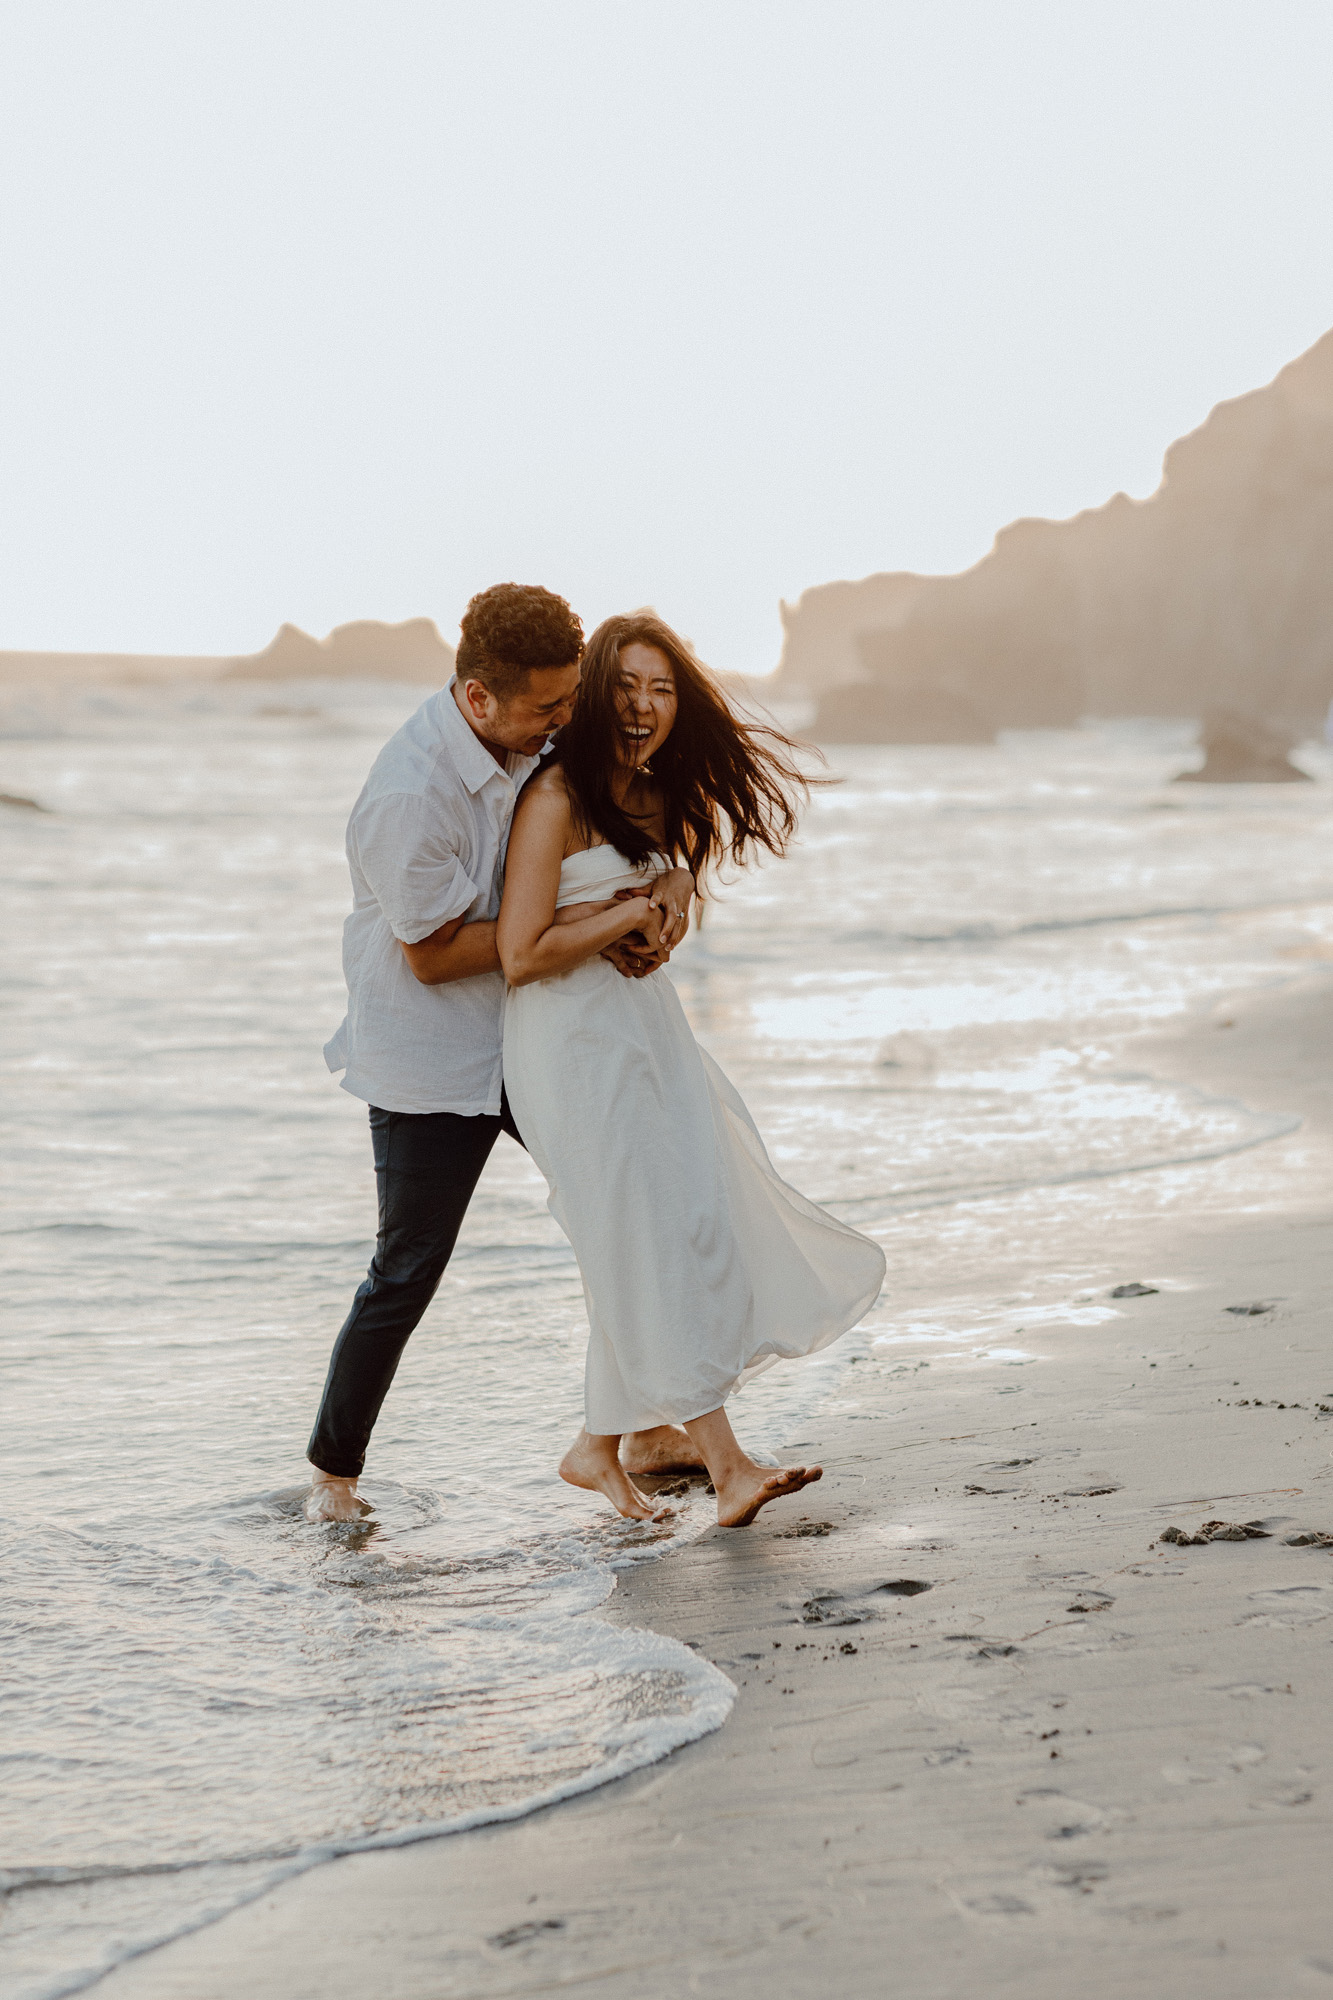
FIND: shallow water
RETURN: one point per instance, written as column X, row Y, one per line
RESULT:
column 925, row 1005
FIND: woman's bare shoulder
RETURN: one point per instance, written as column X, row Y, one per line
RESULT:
column 545, row 812
column 555, row 804
column 547, row 790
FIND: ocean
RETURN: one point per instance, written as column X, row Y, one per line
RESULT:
column 927, row 1007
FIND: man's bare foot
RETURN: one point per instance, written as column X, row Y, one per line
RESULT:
column 750, row 1487
column 661, row 1451
column 592, row 1463
column 331, row 1499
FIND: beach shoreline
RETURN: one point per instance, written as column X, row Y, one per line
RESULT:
column 1081, row 1756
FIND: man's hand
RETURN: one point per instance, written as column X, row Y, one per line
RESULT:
column 632, row 961
column 671, row 896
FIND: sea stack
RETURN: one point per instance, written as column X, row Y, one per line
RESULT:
column 363, row 650
column 1243, row 750
column 1216, row 593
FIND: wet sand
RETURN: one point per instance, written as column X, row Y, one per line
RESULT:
column 1080, row 1759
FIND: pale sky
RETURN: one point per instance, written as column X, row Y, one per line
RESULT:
column 316, row 310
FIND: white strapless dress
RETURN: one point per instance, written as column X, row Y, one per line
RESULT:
column 700, row 1266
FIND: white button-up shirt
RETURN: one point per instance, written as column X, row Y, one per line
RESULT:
column 425, row 843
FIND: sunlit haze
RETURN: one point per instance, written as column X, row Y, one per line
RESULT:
column 331, row 311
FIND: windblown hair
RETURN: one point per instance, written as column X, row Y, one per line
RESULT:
column 728, row 786
column 512, row 628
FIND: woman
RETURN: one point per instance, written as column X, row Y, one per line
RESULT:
column 699, row 1265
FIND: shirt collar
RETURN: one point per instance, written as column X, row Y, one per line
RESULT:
column 472, row 760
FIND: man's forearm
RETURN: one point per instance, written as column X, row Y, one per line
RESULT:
column 469, row 952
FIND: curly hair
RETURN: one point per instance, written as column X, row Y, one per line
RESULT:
column 728, row 785
column 512, row 628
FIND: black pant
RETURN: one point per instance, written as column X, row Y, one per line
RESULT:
column 426, row 1167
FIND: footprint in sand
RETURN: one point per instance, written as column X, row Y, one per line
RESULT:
column 947, row 1753
column 1215, row 1770
column 1084, row 1876
column 1248, row 1690
column 836, row 1607
column 830, row 1607
column 525, row 1933
column 1057, row 1816
column 1285, row 1609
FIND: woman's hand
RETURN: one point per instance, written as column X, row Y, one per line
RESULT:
column 648, row 937
column 640, row 951
column 672, row 894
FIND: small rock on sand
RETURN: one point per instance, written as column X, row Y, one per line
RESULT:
column 1219, row 1531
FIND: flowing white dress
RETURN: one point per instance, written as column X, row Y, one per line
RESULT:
column 700, row 1266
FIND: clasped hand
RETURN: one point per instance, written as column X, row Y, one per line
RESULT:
column 640, row 952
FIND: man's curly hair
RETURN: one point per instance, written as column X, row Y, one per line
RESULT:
column 512, row 628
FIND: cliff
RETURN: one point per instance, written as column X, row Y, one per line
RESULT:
column 412, row 651
column 1214, row 593
column 365, row 650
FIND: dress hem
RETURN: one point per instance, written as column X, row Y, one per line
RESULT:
column 758, row 1365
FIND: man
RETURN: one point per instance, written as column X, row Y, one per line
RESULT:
column 422, row 1038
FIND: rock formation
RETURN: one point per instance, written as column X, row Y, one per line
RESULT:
column 1214, row 593
column 1242, row 750
column 365, row 650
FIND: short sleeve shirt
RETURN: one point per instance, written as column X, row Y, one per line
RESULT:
column 426, row 843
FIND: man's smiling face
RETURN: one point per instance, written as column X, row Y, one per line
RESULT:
column 542, row 705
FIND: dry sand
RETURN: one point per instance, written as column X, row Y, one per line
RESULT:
column 1081, row 1761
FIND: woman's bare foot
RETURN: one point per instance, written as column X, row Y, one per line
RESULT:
column 744, row 1491
column 742, row 1486
column 660, row 1451
column 593, row 1464
column 331, row 1499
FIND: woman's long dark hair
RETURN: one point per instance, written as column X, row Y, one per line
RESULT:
column 728, row 786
